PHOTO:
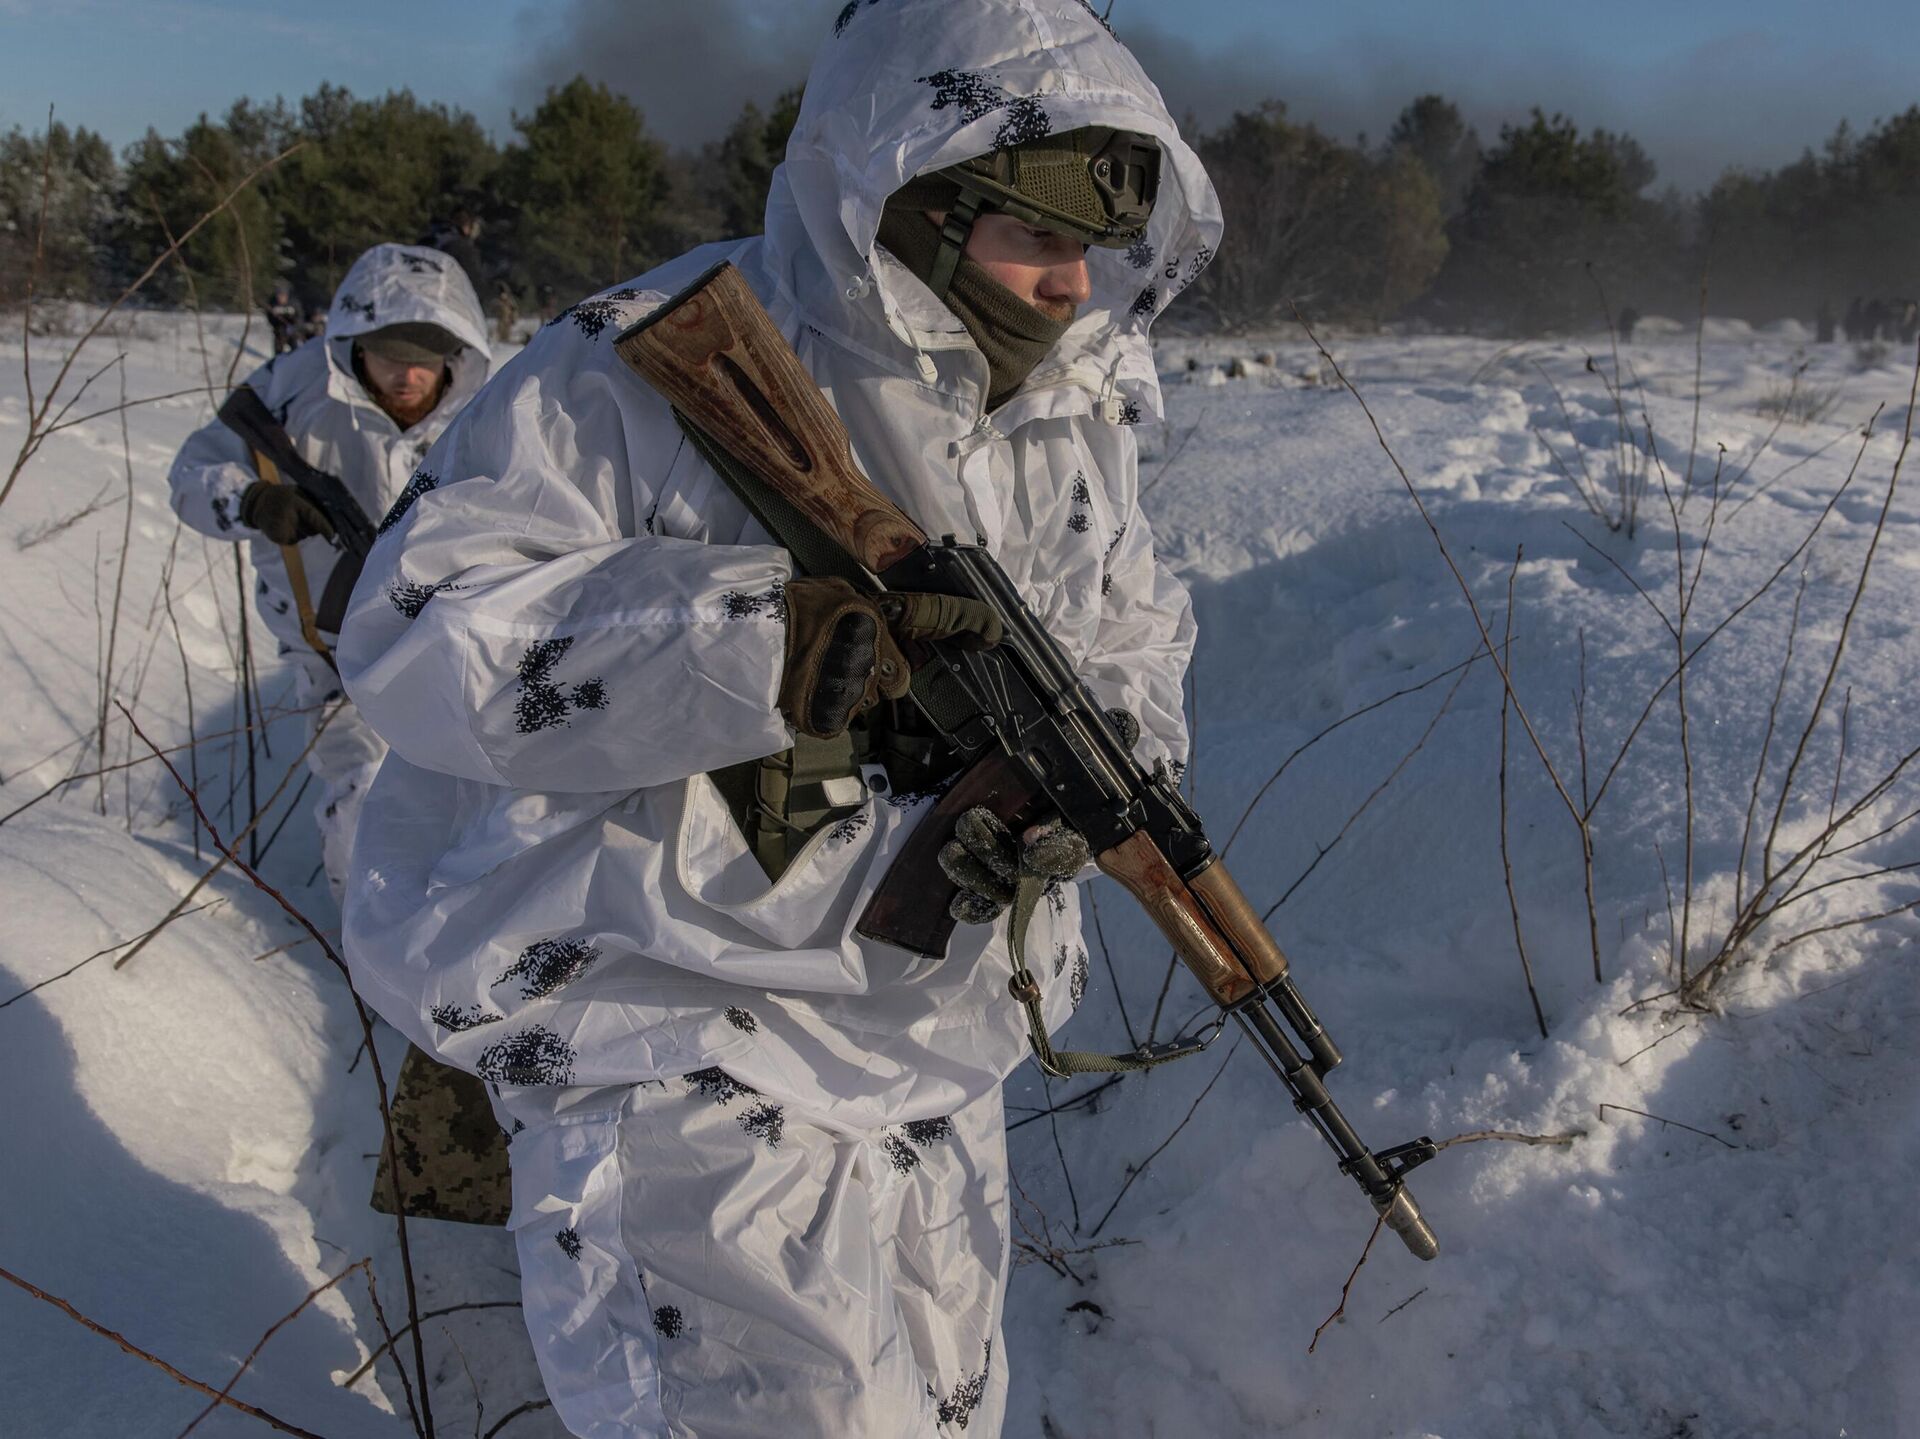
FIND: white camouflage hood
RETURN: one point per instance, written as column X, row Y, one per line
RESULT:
column 406, row 284
column 905, row 87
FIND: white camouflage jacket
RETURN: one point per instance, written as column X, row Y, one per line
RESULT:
column 575, row 621
column 332, row 420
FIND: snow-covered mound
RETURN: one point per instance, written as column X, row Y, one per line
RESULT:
column 190, row 1138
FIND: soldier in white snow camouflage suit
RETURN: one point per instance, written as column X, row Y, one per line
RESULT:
column 341, row 425
column 758, row 1162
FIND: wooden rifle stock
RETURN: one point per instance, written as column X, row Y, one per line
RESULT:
column 714, row 353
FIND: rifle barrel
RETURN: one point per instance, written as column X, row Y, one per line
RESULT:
column 1390, row 1197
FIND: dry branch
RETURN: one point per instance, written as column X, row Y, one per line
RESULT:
column 1136, row 1170
column 1513, row 1136
column 1506, row 858
column 512, row 1414
column 272, row 1329
column 155, row 1360
column 1347, row 1288
column 1661, row 1119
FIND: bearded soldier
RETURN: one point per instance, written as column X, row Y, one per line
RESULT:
column 644, row 776
column 404, row 348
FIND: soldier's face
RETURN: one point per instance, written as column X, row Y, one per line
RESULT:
column 406, row 391
column 1046, row 269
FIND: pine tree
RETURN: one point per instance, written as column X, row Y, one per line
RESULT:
column 580, row 189
column 71, row 175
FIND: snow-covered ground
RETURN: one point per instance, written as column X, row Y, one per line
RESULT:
column 188, row 1140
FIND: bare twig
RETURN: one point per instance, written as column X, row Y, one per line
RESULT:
column 1403, row 1304
column 102, row 953
column 479, row 1406
column 1766, row 586
column 207, row 876
column 272, row 1329
column 512, row 1414
column 188, row 748
column 1561, row 1141
column 1846, row 625
column 1506, row 857
column 1658, row 1119
column 1345, row 719
column 1347, row 1288
column 1699, row 360
column 1766, row 746
column 1085, row 1097
column 390, row 1340
column 1848, row 923
column 386, row 1330
column 1066, row 1170
column 1645, row 1047
column 119, row 579
column 1135, row 1171
column 1179, row 450
column 1323, row 850
column 1106, row 954
column 1580, row 819
column 155, row 1360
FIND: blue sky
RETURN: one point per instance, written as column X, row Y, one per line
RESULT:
column 1702, row 83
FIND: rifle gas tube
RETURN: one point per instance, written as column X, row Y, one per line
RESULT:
column 1040, row 744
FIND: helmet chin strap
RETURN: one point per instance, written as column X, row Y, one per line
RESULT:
column 953, row 240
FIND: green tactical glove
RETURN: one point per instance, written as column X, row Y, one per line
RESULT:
column 282, row 513
column 987, row 862
column 841, row 657
column 844, row 647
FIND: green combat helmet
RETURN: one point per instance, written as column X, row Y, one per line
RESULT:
column 1095, row 184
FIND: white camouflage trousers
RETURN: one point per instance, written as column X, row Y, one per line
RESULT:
column 344, row 760
column 698, row 1261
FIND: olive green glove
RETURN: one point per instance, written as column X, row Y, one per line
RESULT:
column 987, row 862
column 282, row 513
column 844, row 647
column 841, row 657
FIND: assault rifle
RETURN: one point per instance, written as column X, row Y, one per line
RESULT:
column 1038, row 742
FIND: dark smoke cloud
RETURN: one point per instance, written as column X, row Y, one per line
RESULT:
column 1746, row 98
column 688, row 64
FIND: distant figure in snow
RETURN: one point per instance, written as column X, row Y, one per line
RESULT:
column 1873, row 319
column 505, row 312
column 1906, row 322
column 1823, row 323
column 1855, row 324
column 316, row 324
column 459, row 236
column 1629, row 318
column 283, row 315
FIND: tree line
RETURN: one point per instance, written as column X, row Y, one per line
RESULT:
column 1519, row 235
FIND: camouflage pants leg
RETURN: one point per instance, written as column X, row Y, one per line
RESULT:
column 453, row 1156
column 707, row 1264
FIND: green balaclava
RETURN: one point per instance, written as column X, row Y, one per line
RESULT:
column 1013, row 335
column 1094, row 185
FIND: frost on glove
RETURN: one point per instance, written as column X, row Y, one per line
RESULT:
column 987, row 862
